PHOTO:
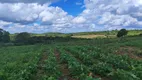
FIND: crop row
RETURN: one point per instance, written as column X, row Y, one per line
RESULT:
column 19, row 63
column 96, row 66
column 122, row 65
column 76, row 69
column 51, row 67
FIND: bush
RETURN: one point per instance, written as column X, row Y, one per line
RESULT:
column 140, row 34
column 23, row 37
column 122, row 33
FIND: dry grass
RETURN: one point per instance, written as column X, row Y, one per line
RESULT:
column 91, row 36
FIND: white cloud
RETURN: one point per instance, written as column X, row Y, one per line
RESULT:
column 20, row 12
column 54, row 15
column 98, row 15
column 4, row 24
column 28, row 1
column 78, row 3
column 113, row 13
column 79, row 20
column 46, row 16
column 21, row 15
column 16, row 28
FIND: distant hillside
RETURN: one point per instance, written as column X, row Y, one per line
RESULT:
column 97, row 33
column 84, row 34
column 113, row 32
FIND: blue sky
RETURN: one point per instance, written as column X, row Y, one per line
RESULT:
column 73, row 7
column 40, row 16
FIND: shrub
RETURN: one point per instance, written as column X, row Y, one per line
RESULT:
column 122, row 33
column 22, row 37
column 140, row 34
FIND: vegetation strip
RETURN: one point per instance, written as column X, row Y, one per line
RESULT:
column 77, row 68
column 22, row 57
column 88, row 62
column 63, row 67
column 40, row 67
column 19, row 62
column 122, row 64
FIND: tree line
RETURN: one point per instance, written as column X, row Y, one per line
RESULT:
column 26, row 38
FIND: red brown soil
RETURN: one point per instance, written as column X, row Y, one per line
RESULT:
column 130, row 51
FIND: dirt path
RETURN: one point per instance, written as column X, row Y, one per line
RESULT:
column 63, row 67
column 40, row 67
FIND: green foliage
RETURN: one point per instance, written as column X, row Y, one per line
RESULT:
column 123, row 75
column 121, row 62
column 102, row 68
column 18, row 63
column 80, row 57
column 52, row 67
column 4, row 36
column 140, row 34
column 85, row 77
column 138, row 70
column 48, row 78
column 22, row 37
column 91, row 78
column 51, row 78
column 76, row 69
column 122, row 33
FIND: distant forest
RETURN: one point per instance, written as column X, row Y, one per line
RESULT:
column 24, row 38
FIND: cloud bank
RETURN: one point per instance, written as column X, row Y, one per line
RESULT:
column 28, row 1
column 39, row 17
column 114, row 14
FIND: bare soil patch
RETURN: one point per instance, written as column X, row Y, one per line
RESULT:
column 132, row 52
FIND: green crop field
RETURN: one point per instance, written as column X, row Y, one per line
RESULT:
column 82, row 59
column 70, row 39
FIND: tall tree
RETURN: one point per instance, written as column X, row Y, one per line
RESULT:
column 1, row 35
column 122, row 33
column 4, row 36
